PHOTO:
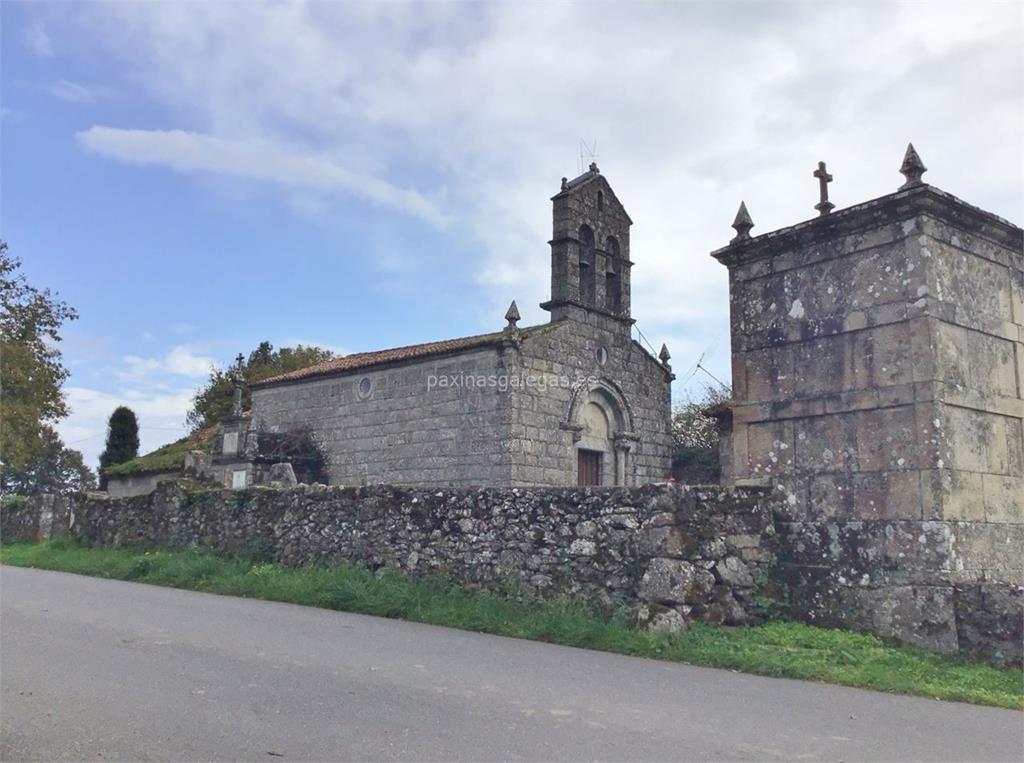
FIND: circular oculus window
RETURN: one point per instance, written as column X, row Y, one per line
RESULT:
column 365, row 387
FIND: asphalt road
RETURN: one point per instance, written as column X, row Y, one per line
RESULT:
column 97, row 669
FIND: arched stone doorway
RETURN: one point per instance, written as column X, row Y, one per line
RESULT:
column 603, row 439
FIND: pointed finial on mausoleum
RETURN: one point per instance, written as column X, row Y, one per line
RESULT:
column 664, row 355
column 512, row 316
column 565, row 184
column 913, row 168
column 742, row 224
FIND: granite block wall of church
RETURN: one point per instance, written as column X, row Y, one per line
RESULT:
column 410, row 433
column 877, row 367
column 544, row 452
column 407, row 431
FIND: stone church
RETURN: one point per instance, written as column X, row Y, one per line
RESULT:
column 576, row 401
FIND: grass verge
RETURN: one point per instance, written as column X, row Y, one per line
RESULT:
column 778, row 648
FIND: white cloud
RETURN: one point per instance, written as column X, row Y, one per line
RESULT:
column 259, row 160
column 182, row 361
column 38, row 41
column 91, row 403
column 179, row 361
column 488, row 102
column 73, row 92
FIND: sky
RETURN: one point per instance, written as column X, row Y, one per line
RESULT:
column 195, row 178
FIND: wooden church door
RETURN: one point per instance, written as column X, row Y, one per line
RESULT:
column 589, row 468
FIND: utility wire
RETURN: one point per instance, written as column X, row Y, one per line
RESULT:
column 711, row 375
column 100, row 434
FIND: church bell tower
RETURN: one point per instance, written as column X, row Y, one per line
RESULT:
column 589, row 252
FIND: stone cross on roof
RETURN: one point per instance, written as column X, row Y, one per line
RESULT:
column 824, row 206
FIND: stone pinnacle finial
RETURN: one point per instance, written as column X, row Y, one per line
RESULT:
column 742, row 224
column 512, row 316
column 593, row 167
column 565, row 184
column 913, row 168
column 664, row 355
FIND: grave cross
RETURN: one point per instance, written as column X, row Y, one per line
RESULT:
column 239, row 381
column 824, row 206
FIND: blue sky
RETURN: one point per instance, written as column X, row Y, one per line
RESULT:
column 197, row 177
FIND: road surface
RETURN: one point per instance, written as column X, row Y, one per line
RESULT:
column 99, row 669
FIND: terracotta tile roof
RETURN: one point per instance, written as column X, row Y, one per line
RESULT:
column 360, row 360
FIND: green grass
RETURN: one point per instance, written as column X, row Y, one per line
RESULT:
column 168, row 457
column 774, row 649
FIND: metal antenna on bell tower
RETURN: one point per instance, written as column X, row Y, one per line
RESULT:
column 588, row 155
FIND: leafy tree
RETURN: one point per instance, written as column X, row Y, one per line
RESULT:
column 31, row 372
column 213, row 402
column 695, row 457
column 56, row 469
column 122, row 440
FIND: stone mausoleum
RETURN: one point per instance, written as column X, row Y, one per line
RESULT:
column 576, row 401
column 877, row 369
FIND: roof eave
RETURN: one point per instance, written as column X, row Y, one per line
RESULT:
column 901, row 205
column 486, row 340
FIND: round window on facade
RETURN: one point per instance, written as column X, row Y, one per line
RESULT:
column 601, row 355
column 365, row 387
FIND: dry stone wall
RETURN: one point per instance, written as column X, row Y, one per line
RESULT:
column 35, row 518
column 672, row 554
